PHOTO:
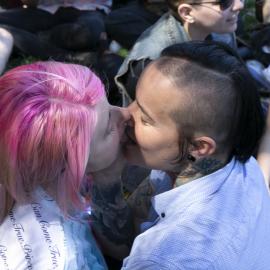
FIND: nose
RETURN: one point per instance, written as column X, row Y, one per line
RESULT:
column 124, row 114
column 132, row 108
column 238, row 5
column 123, row 119
column 121, row 116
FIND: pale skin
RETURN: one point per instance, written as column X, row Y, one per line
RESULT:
column 198, row 27
column 264, row 153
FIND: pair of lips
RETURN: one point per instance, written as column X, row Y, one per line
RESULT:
column 233, row 19
column 130, row 135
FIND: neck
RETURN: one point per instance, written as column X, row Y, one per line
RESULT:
column 194, row 33
column 198, row 169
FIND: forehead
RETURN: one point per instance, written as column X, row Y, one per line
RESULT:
column 157, row 93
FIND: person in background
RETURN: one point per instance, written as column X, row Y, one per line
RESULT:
column 134, row 15
column 62, row 30
column 186, row 20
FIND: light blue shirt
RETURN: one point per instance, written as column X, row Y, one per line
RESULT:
column 220, row 221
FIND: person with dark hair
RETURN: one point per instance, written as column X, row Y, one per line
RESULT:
column 136, row 16
column 196, row 116
column 186, row 20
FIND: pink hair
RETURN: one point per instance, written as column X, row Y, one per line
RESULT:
column 46, row 122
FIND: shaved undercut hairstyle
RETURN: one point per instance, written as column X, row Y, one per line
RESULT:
column 220, row 98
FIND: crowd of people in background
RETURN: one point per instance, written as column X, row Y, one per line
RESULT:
column 82, row 32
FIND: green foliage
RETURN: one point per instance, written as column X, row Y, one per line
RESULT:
column 18, row 60
column 248, row 15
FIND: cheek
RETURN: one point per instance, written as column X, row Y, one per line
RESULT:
column 110, row 148
column 145, row 137
column 105, row 154
column 156, row 143
column 211, row 20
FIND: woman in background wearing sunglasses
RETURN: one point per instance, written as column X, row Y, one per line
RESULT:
column 186, row 20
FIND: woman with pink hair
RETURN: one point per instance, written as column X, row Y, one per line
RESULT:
column 56, row 126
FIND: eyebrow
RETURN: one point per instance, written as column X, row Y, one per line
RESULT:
column 144, row 111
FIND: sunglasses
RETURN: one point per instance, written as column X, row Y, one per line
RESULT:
column 224, row 4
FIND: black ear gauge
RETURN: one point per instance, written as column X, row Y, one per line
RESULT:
column 191, row 158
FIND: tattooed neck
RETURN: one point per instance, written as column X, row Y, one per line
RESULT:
column 198, row 169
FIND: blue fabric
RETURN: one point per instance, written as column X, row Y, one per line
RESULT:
column 82, row 250
column 220, row 221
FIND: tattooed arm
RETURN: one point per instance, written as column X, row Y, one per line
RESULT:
column 116, row 218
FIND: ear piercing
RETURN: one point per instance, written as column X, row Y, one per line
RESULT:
column 191, row 158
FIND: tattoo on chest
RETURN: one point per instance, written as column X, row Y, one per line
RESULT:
column 111, row 214
column 140, row 199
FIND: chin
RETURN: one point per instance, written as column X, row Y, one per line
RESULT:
column 128, row 152
column 228, row 29
column 231, row 28
column 132, row 155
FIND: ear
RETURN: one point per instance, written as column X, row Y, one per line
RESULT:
column 203, row 147
column 184, row 11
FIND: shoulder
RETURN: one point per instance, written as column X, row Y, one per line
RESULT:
column 178, row 245
column 166, row 31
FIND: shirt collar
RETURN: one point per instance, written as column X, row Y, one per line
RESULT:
column 165, row 203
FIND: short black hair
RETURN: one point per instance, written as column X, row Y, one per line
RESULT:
column 215, row 72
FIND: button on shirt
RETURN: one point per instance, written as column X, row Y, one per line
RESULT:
column 220, row 221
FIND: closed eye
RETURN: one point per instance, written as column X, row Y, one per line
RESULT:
column 144, row 121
